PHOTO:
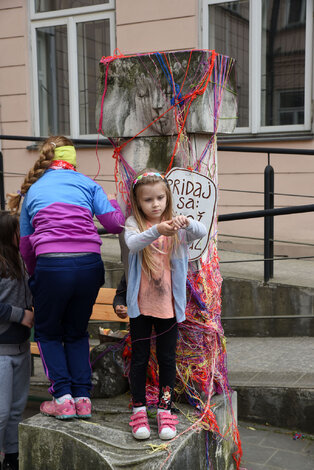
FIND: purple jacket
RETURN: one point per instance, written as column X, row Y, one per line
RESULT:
column 57, row 216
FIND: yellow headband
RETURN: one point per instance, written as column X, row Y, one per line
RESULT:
column 66, row 153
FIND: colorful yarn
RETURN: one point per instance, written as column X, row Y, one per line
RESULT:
column 201, row 348
column 212, row 69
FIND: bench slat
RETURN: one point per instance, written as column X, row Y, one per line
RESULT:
column 34, row 349
column 105, row 296
column 106, row 313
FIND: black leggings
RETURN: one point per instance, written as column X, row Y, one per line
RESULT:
column 166, row 330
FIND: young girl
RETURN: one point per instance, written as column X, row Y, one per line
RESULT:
column 156, row 292
column 16, row 319
column 61, row 249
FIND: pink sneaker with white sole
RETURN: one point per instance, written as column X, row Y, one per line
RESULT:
column 83, row 407
column 166, row 425
column 65, row 410
column 140, row 426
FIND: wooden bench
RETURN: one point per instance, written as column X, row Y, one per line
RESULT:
column 102, row 311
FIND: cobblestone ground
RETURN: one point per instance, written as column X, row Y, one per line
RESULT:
column 270, row 448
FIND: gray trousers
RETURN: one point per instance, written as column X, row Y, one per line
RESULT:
column 14, row 387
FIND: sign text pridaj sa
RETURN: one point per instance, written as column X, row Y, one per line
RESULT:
column 194, row 195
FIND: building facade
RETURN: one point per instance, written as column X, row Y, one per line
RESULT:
column 49, row 55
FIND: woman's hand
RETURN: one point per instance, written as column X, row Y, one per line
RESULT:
column 121, row 311
column 180, row 221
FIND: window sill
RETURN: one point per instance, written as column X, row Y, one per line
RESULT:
column 255, row 138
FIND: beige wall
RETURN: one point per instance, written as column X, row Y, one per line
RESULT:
column 151, row 25
column 145, row 26
column 245, row 171
column 15, row 115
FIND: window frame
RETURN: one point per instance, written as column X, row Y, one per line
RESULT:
column 255, row 67
column 70, row 18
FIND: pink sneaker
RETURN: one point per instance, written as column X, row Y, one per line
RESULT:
column 166, row 425
column 63, row 410
column 83, row 407
column 140, row 426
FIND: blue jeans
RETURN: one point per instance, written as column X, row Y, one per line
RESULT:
column 64, row 291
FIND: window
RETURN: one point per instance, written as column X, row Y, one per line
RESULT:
column 67, row 43
column 53, row 5
column 272, row 44
column 229, row 35
column 296, row 12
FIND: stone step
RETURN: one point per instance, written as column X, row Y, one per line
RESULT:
column 252, row 308
column 105, row 441
column 274, row 379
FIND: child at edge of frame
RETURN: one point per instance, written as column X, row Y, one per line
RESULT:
column 61, row 249
column 16, row 320
column 156, row 293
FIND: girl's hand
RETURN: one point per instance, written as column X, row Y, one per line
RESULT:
column 166, row 228
column 121, row 311
column 180, row 221
column 111, row 196
column 28, row 319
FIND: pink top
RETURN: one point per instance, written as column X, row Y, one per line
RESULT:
column 155, row 294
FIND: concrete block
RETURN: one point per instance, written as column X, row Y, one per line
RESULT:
column 286, row 407
column 105, row 442
column 252, row 298
column 140, row 89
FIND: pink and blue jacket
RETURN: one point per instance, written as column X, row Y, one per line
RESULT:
column 57, row 216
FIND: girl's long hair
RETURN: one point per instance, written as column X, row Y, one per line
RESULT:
column 148, row 263
column 11, row 265
column 40, row 166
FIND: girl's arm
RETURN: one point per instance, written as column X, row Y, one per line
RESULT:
column 108, row 212
column 26, row 248
column 10, row 313
column 137, row 241
column 195, row 230
column 6, row 311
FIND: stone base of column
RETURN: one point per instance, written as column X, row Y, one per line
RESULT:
column 105, row 441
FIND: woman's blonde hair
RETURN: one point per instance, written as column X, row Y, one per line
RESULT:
column 40, row 166
column 149, row 264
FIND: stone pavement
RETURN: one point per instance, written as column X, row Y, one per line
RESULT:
column 294, row 272
column 281, row 362
column 270, row 364
column 271, row 448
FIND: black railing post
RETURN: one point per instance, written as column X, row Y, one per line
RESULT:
column 2, row 200
column 268, row 222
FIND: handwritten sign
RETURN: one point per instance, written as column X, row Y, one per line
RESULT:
column 194, row 195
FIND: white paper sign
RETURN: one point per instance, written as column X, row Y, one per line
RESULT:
column 194, row 195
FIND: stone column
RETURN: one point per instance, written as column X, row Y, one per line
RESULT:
column 165, row 109
column 193, row 92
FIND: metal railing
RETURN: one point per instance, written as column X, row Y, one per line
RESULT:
column 268, row 213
